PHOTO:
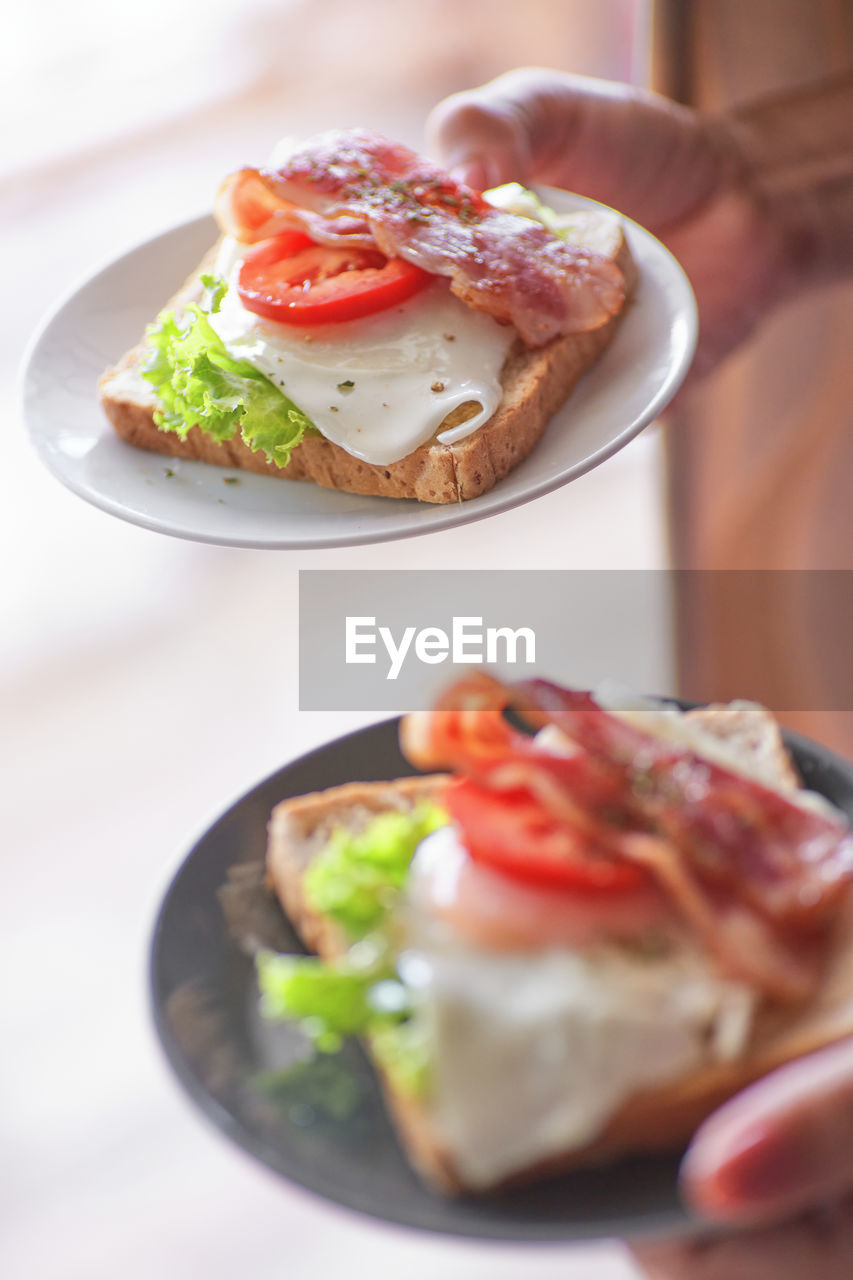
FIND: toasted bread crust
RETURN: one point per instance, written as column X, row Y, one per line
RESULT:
column 299, row 828
column 756, row 730
column 654, row 1119
column 535, row 384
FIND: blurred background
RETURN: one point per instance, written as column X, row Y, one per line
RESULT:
column 147, row 682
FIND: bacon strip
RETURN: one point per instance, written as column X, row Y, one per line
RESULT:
column 747, row 947
column 757, row 877
column 356, row 188
column 789, row 862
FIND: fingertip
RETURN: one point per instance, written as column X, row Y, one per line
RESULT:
column 480, row 173
column 476, row 140
column 737, row 1173
column 471, row 173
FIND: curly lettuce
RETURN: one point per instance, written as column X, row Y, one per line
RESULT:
column 332, row 1002
column 199, row 384
column 594, row 229
column 355, row 880
column 356, row 877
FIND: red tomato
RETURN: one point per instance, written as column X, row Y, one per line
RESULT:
column 510, row 832
column 295, row 281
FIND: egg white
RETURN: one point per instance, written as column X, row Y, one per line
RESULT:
column 409, row 366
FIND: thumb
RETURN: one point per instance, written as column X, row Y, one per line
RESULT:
column 650, row 158
column 479, row 139
column 783, row 1145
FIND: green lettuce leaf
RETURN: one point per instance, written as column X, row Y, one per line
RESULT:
column 349, row 998
column 199, row 384
column 330, row 1001
column 356, row 878
column 590, row 229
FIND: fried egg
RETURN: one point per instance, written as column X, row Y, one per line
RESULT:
column 380, row 386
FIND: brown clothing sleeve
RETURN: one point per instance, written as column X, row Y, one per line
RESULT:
column 798, row 148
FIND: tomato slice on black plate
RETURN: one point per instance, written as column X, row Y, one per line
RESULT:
column 510, row 832
column 295, row 281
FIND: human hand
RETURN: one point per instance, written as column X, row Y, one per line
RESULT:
column 677, row 172
column 776, row 1160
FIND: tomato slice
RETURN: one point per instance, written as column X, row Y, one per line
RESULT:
column 510, row 832
column 295, row 281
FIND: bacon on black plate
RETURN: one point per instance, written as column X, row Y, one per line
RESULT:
column 757, row 876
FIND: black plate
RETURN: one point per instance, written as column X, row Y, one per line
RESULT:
column 327, row 1131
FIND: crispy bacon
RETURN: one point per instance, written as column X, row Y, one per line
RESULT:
column 357, row 188
column 757, row 876
column 788, row 861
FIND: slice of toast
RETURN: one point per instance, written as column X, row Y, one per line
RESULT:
column 536, row 383
column 653, row 1119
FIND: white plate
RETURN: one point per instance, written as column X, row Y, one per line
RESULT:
column 625, row 391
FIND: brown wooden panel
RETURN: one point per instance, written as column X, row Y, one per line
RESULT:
column 760, row 457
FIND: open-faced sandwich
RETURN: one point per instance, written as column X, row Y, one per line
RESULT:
column 370, row 324
column 578, row 941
